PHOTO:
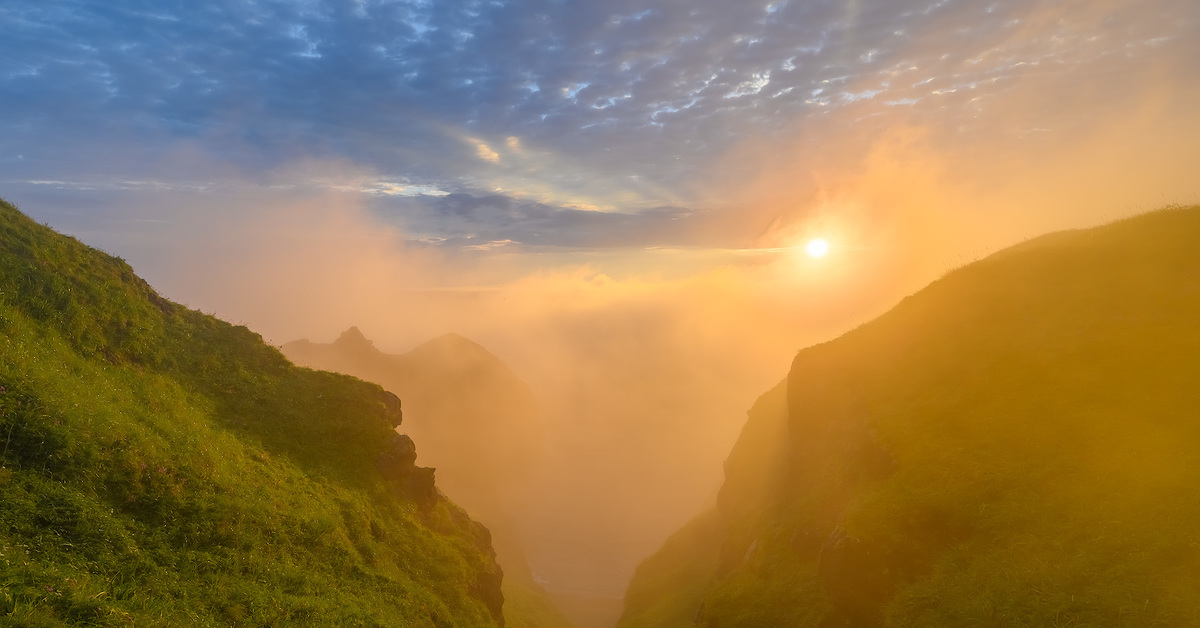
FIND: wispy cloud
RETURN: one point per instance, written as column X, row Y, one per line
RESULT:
column 652, row 89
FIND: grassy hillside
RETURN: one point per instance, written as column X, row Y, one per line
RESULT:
column 477, row 422
column 1016, row 445
column 669, row 587
column 161, row 467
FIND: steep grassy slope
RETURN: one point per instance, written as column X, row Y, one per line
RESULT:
column 477, row 422
column 474, row 418
column 161, row 467
column 1017, row 444
column 669, row 587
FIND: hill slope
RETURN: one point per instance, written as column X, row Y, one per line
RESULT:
column 1017, row 444
column 161, row 467
column 475, row 419
column 477, row 422
column 668, row 588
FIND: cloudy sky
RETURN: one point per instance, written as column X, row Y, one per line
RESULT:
column 544, row 122
column 611, row 195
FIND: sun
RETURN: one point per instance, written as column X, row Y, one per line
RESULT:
column 817, row 247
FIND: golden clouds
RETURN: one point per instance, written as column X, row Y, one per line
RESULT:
column 485, row 152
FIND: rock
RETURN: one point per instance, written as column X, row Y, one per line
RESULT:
column 392, row 403
column 487, row 587
column 398, row 459
column 418, row 486
column 397, row 464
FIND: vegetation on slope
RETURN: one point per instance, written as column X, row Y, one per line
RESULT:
column 527, row 605
column 669, row 587
column 477, row 422
column 1017, row 444
column 474, row 418
column 161, row 467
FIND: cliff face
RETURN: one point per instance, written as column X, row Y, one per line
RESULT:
column 476, row 422
column 1014, row 445
column 669, row 588
column 161, row 465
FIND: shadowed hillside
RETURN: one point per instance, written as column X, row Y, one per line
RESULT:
column 161, row 467
column 1016, row 444
column 477, row 423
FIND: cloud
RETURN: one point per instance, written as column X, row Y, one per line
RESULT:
column 911, row 197
column 653, row 89
column 485, row 152
column 489, row 245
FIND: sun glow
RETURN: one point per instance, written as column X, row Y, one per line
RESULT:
column 817, row 248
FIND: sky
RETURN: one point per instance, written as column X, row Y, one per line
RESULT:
column 612, row 196
column 550, row 123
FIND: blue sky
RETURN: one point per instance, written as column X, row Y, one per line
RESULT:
column 540, row 122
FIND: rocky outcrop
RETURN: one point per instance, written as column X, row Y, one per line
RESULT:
column 397, row 464
column 476, row 421
column 392, row 403
column 487, row 587
column 399, row 457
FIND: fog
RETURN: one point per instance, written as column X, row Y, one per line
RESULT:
column 642, row 380
column 642, row 360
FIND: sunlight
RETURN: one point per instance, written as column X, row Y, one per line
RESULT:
column 817, row 248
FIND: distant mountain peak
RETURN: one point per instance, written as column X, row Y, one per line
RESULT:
column 453, row 349
column 455, row 340
column 354, row 337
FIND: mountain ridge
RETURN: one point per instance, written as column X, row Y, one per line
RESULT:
column 1011, row 445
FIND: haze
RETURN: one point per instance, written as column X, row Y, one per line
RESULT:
column 613, row 197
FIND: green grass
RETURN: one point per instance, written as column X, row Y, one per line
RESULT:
column 1018, row 444
column 161, row 467
column 668, row 588
column 671, row 588
column 528, row 606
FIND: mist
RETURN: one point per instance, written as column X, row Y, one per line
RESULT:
column 642, row 380
column 644, row 358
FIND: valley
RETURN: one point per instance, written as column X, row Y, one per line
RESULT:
column 1023, row 423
